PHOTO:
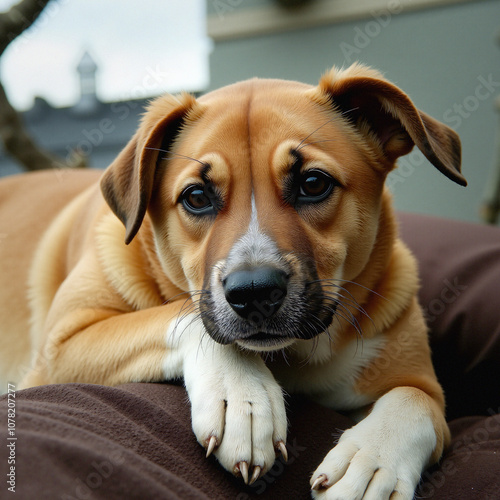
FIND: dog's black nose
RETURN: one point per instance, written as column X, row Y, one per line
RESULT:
column 256, row 294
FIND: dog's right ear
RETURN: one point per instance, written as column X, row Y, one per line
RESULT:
column 127, row 183
column 379, row 108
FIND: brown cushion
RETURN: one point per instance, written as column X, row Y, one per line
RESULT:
column 470, row 468
column 79, row 441
column 135, row 441
column 460, row 293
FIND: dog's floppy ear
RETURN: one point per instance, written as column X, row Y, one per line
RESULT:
column 127, row 183
column 371, row 102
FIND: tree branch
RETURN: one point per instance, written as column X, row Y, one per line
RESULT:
column 18, row 143
column 17, row 19
column 16, row 140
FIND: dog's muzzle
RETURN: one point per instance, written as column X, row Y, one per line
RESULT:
column 265, row 307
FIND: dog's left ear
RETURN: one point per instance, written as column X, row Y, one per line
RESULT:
column 376, row 106
column 127, row 183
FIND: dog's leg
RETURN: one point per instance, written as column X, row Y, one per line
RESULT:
column 238, row 410
column 105, row 346
column 383, row 456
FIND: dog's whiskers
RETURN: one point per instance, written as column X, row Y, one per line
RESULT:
column 314, row 343
column 301, row 143
column 331, row 282
column 173, row 154
column 268, row 356
column 344, row 306
column 315, row 142
column 338, row 302
column 347, row 300
column 189, row 307
column 345, row 297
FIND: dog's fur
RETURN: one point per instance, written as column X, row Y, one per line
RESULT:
column 243, row 241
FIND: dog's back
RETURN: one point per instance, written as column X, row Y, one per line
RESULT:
column 28, row 204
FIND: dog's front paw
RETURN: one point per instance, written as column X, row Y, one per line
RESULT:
column 381, row 457
column 353, row 471
column 238, row 410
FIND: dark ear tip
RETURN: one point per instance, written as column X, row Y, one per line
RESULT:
column 131, row 231
column 456, row 176
column 452, row 173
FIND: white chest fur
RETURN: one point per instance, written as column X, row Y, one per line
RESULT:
column 328, row 376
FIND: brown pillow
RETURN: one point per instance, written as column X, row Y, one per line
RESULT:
column 77, row 441
column 460, row 293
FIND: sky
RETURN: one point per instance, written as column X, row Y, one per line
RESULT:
column 142, row 48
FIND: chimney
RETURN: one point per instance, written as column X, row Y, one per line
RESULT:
column 87, row 69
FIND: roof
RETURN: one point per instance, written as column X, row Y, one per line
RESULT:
column 100, row 132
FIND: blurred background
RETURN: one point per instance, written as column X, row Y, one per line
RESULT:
column 77, row 74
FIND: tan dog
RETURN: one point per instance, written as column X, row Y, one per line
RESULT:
column 253, row 219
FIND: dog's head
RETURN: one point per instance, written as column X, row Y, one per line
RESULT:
column 263, row 193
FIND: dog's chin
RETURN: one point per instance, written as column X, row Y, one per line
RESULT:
column 262, row 342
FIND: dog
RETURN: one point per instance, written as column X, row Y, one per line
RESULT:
column 244, row 241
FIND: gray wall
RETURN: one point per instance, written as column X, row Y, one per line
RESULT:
column 438, row 56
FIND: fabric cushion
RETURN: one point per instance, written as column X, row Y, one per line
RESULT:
column 135, row 441
column 460, row 294
column 78, row 441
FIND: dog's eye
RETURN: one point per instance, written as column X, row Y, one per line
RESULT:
column 197, row 200
column 315, row 186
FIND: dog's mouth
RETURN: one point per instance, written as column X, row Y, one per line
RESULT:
column 298, row 326
column 263, row 337
column 262, row 341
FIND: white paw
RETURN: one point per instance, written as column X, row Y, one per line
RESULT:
column 237, row 408
column 356, row 470
column 381, row 457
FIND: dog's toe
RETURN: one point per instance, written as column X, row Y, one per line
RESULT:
column 382, row 485
column 238, row 414
column 344, row 474
column 247, row 447
column 350, row 474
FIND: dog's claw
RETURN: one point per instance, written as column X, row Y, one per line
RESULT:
column 319, row 482
column 242, row 468
column 282, row 447
column 256, row 474
column 212, row 443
